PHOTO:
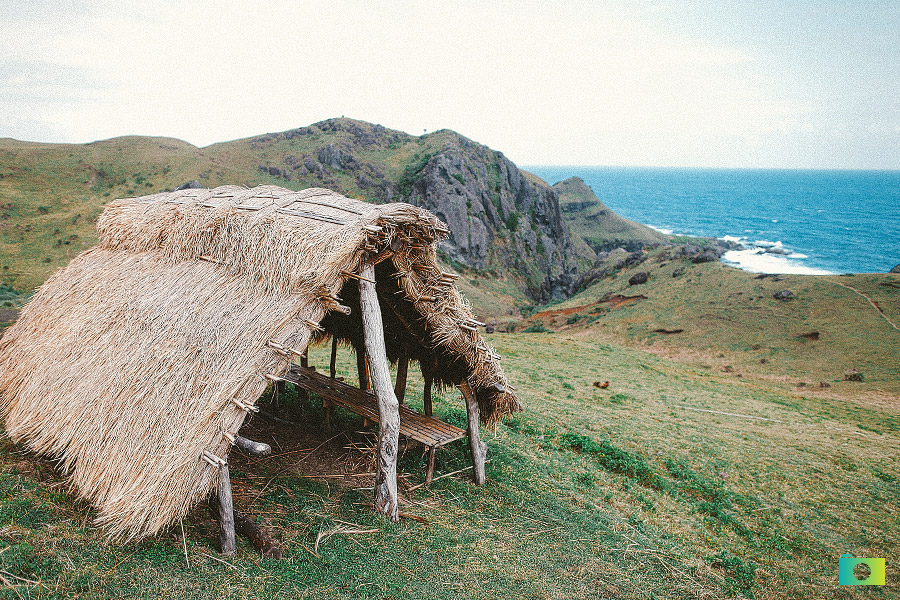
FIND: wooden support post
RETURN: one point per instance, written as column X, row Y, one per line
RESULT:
column 226, row 512
column 361, row 368
column 303, row 394
column 478, row 447
column 402, row 368
column 429, row 474
column 428, row 376
column 386, row 500
column 333, row 363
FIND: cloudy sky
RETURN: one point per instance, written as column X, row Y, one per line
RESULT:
column 731, row 83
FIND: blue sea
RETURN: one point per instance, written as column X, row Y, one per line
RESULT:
column 790, row 221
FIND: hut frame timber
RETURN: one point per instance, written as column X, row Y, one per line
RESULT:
column 164, row 336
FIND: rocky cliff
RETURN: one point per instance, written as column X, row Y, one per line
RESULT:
column 502, row 220
column 505, row 224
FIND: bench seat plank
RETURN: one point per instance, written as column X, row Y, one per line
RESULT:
column 425, row 429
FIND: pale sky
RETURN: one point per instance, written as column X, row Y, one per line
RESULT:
column 756, row 83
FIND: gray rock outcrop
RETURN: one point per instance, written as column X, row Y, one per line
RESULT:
column 498, row 217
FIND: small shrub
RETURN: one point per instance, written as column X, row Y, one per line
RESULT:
column 586, row 479
column 536, row 327
column 887, row 477
column 739, row 576
column 612, row 458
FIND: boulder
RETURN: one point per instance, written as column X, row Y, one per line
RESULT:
column 190, row 185
column 705, row 256
column 690, row 250
column 678, row 272
column 854, row 375
column 639, row 278
column 784, row 295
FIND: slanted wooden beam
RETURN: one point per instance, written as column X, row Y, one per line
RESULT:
column 246, row 525
column 386, row 500
column 258, row 536
column 478, row 447
column 226, row 511
column 402, row 368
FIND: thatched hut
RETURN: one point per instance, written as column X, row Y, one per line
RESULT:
column 136, row 365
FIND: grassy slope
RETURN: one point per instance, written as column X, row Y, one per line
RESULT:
column 52, row 194
column 596, row 224
column 628, row 492
column 730, row 319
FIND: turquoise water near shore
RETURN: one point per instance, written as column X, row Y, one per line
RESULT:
column 790, row 221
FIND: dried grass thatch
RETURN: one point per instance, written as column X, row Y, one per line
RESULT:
column 147, row 352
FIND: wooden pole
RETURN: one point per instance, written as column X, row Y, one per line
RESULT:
column 429, row 474
column 361, row 368
column 402, row 367
column 302, row 394
column 333, row 363
column 226, row 512
column 478, row 447
column 386, row 501
column 428, row 376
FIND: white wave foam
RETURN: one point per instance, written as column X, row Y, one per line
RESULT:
column 732, row 238
column 661, row 230
column 756, row 260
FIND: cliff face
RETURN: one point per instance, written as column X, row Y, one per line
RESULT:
column 505, row 223
column 600, row 227
column 499, row 218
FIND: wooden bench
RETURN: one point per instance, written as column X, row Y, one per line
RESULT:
column 431, row 432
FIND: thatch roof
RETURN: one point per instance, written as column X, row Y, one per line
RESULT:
column 145, row 352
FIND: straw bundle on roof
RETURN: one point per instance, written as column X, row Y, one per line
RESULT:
column 145, row 354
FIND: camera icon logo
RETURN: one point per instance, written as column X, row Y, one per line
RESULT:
column 847, row 563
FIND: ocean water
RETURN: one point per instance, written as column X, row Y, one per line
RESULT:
column 790, row 221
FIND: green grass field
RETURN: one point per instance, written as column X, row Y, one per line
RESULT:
column 641, row 490
column 730, row 321
column 730, row 456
